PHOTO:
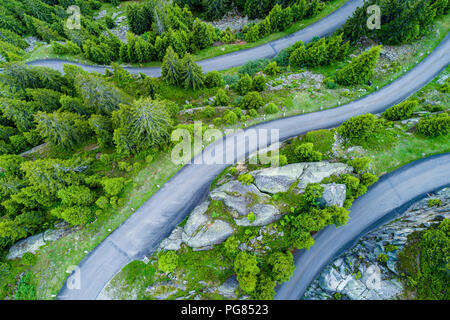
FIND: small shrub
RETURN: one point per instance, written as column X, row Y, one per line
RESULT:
column 259, row 83
column 382, row 258
column 360, row 165
column 214, row 79
column 28, row 259
column 102, row 202
column 251, row 217
column 252, row 100
column 401, row 111
column 434, row 126
column 434, row 203
column 245, row 178
column 208, row 112
column 244, row 85
column 272, row 69
column 358, row 128
column 113, row 186
column 305, row 153
column 167, row 261
column 222, row 98
column 271, row 108
column 230, row 117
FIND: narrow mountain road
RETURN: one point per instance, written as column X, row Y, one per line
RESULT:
column 391, row 196
column 321, row 28
column 142, row 232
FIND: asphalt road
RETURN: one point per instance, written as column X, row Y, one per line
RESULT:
column 388, row 198
column 321, row 28
column 140, row 234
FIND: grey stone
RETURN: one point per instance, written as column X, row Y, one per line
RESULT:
column 315, row 172
column 196, row 219
column 264, row 213
column 280, row 179
column 228, row 288
column 354, row 289
column 333, row 195
column 173, row 242
column 238, row 197
column 210, row 234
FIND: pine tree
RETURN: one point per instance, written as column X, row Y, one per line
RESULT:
column 360, row 69
column 192, row 74
column 171, row 67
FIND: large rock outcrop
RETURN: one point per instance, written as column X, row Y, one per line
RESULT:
column 281, row 179
column 333, row 195
column 202, row 231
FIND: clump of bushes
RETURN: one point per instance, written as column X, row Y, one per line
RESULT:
column 434, row 126
column 358, row 129
column 252, row 100
column 401, row 111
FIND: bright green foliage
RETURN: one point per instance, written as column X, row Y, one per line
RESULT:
column 252, row 100
column 102, row 127
column 253, row 66
column 230, row 117
column 360, row 69
column 68, row 48
column 144, row 124
column 214, row 79
column 26, row 290
column 202, row 35
column 302, row 239
column 222, row 98
column 167, row 261
column 191, row 74
column 18, row 111
column 103, row 97
column 47, row 100
column 434, row 203
column 62, row 129
column 358, row 128
column 113, row 186
column 74, row 215
column 434, row 126
column 368, row 179
column 272, row 69
column 28, row 259
column 171, row 67
column 10, row 231
column 322, row 139
column 208, row 112
column 265, row 288
column 102, row 202
column 272, row 108
column 244, row 85
column 140, row 17
column 251, row 217
column 360, row 165
column 231, row 246
column 71, row 104
column 306, row 153
column 425, row 261
column 259, row 83
column 401, row 111
column 313, row 192
column 76, row 195
column 245, row 178
column 247, row 270
column 282, row 265
column 382, row 258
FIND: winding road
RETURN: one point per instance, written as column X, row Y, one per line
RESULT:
column 142, row 232
column 321, row 28
column 391, row 196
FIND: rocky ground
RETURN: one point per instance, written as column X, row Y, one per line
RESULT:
column 232, row 19
column 358, row 275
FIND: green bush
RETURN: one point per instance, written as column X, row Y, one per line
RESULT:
column 167, row 261
column 358, row 128
column 259, row 83
column 322, row 139
column 244, row 85
column 208, row 112
column 360, row 69
column 252, row 100
column 222, row 98
column 102, row 202
column 313, row 192
column 382, row 258
column 113, row 186
column 247, row 270
column 253, row 67
column 230, row 117
column 214, row 79
column 28, row 259
column 306, row 153
column 434, row 126
column 360, row 165
column 401, row 111
column 271, row 108
column 253, row 113
column 245, row 178
column 272, row 69
column 434, row 203
column 76, row 195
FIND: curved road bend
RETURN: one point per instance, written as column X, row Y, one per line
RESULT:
column 391, row 196
column 142, row 232
column 321, row 28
